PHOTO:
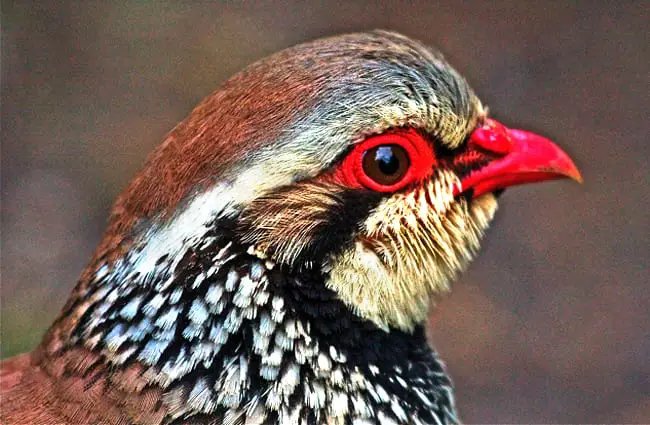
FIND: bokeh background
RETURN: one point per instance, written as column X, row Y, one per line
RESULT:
column 550, row 324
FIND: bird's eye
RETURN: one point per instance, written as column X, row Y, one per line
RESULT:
column 386, row 164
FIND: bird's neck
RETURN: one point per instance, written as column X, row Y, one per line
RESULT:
column 221, row 332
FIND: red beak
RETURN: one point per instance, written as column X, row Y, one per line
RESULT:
column 522, row 157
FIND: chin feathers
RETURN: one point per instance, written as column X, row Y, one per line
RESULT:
column 412, row 246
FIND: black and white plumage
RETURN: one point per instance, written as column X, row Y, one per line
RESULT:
column 274, row 261
column 227, row 335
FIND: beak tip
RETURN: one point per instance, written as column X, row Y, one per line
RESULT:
column 579, row 179
column 575, row 175
column 569, row 168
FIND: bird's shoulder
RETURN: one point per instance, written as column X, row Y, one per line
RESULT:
column 74, row 389
column 24, row 389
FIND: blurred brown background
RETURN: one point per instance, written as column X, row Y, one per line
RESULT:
column 550, row 324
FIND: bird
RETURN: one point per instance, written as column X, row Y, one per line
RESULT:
column 275, row 259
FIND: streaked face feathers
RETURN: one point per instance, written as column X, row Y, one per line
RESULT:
column 408, row 250
column 384, row 255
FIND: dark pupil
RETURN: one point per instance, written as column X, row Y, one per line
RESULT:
column 387, row 162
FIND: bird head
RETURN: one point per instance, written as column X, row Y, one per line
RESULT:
column 366, row 158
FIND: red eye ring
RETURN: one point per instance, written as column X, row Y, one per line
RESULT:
column 419, row 157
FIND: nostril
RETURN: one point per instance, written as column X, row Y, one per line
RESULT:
column 492, row 136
